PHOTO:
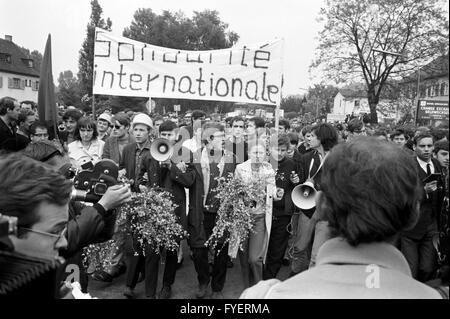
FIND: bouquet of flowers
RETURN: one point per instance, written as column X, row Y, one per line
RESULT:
column 238, row 201
column 150, row 219
column 99, row 255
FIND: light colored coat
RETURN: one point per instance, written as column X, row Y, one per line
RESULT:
column 368, row 271
column 244, row 172
column 80, row 155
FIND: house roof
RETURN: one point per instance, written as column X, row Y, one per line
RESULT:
column 17, row 65
column 352, row 94
column 436, row 68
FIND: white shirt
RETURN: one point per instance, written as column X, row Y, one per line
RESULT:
column 191, row 144
column 423, row 165
column 80, row 155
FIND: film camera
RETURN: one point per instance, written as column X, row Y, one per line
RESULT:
column 92, row 181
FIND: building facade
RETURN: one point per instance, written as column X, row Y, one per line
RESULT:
column 19, row 78
column 348, row 102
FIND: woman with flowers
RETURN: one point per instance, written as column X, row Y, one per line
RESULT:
column 258, row 174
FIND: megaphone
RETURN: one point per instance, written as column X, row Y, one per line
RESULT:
column 304, row 195
column 161, row 149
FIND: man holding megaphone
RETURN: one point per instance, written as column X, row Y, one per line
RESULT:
column 166, row 167
column 310, row 231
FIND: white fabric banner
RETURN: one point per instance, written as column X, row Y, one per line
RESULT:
column 248, row 74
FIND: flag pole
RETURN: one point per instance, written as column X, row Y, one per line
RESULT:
column 93, row 106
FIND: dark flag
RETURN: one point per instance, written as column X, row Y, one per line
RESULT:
column 46, row 98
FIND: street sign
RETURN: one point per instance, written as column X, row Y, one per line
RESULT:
column 432, row 113
column 177, row 108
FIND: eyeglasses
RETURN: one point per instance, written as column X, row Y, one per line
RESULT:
column 238, row 126
column 57, row 236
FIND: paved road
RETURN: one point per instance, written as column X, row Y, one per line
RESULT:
column 185, row 285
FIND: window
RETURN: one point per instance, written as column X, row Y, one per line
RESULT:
column 429, row 91
column 356, row 103
column 436, row 90
column 36, row 86
column 14, row 83
column 5, row 57
column 444, row 89
column 422, row 92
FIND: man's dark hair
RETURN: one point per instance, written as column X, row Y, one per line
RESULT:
column 210, row 127
column 237, row 119
column 86, row 123
column 26, row 183
column 43, row 151
column 421, row 136
column 158, row 118
column 122, row 118
column 381, row 132
column 259, row 122
column 440, row 146
column 196, row 114
column 327, row 135
column 355, row 125
column 23, row 114
column 293, row 137
column 7, row 103
column 399, row 132
column 75, row 114
column 306, row 129
column 438, row 134
column 371, row 191
column 37, row 125
column 167, row 126
column 283, row 139
column 285, row 123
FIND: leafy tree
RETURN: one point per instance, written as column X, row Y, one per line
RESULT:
column 292, row 103
column 68, row 89
column 86, row 59
column 290, row 115
column 323, row 95
column 375, row 41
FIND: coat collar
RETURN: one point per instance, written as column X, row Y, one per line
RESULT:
column 339, row 251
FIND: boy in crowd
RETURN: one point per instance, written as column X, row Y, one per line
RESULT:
column 210, row 162
column 172, row 175
column 282, row 210
column 104, row 122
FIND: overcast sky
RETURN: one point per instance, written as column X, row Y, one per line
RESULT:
column 30, row 21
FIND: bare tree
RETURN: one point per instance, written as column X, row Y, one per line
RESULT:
column 376, row 40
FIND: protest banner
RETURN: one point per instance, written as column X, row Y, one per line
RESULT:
column 247, row 74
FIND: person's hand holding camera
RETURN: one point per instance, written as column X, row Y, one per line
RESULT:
column 115, row 196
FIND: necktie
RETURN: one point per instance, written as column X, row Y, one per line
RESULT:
column 428, row 169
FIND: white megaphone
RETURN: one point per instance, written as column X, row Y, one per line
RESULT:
column 304, row 195
column 161, row 149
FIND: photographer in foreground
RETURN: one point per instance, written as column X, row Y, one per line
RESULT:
column 39, row 197
column 87, row 224
column 370, row 193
